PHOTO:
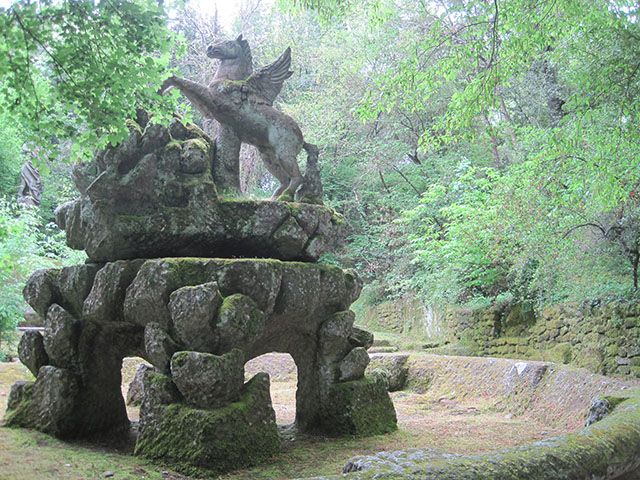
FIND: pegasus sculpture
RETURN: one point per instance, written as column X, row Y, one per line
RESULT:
column 236, row 63
column 246, row 107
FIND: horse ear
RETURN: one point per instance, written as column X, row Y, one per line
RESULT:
column 239, row 38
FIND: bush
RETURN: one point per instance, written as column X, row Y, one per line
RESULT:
column 26, row 244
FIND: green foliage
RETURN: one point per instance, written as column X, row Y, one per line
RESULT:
column 25, row 246
column 480, row 151
column 11, row 141
column 80, row 68
column 521, row 123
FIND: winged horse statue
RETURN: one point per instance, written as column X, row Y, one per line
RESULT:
column 246, row 106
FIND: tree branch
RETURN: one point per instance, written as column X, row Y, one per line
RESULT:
column 588, row 224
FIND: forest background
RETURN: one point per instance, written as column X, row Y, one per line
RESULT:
column 482, row 151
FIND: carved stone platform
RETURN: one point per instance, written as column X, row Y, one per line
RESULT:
column 197, row 321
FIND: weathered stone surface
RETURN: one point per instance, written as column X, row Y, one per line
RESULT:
column 54, row 399
column 158, row 389
column 195, row 156
column 41, row 290
column 61, row 334
column 74, row 284
column 135, row 392
column 290, row 239
column 352, row 366
column 31, row 351
column 153, row 196
column 275, row 287
column 360, row 407
column 391, row 368
column 208, row 381
column 105, row 301
column 241, row 434
column 20, row 391
column 361, row 338
column 147, row 297
column 261, row 280
column 334, row 335
column 159, row 346
column 599, row 409
column 48, row 405
column 239, row 323
column 193, row 314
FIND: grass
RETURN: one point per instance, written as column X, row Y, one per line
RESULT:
column 466, row 426
column 28, row 454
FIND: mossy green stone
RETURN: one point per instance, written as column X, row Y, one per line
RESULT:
column 22, row 413
column 361, row 408
column 199, row 143
column 174, row 145
column 199, row 441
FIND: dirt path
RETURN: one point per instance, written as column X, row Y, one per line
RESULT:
column 443, row 423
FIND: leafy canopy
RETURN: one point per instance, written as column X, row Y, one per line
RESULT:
column 80, row 68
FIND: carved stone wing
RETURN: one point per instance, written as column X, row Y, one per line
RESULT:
column 267, row 82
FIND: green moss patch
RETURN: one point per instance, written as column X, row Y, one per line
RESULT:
column 197, row 441
column 361, row 407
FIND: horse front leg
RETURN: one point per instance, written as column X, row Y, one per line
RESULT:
column 273, row 167
column 197, row 94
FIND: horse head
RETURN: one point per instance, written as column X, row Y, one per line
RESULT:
column 230, row 50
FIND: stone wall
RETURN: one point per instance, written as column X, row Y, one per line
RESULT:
column 603, row 337
column 406, row 316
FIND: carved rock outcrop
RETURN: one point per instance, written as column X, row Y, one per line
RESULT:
column 154, row 196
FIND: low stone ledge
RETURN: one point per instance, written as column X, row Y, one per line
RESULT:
column 607, row 450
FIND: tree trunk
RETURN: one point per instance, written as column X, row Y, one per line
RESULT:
column 494, row 140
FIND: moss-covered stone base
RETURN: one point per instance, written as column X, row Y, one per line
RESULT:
column 19, row 407
column 360, row 407
column 203, row 442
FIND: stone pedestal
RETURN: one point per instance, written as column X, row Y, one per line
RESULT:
column 237, row 435
column 195, row 316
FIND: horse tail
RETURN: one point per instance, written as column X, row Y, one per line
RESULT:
column 311, row 190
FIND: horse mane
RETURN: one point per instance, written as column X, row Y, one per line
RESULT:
column 246, row 51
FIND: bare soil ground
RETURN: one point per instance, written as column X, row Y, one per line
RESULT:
column 460, row 424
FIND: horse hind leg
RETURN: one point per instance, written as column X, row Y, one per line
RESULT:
column 288, row 162
column 273, row 167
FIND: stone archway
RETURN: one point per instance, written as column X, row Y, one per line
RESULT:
column 283, row 376
column 257, row 306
